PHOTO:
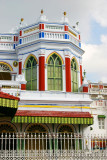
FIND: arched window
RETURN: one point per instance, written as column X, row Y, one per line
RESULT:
column 39, row 140
column 7, row 142
column 54, row 73
column 66, row 141
column 31, row 74
column 5, row 72
column 74, row 75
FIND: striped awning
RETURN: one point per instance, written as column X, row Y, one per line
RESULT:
column 7, row 100
column 53, row 117
column 8, row 104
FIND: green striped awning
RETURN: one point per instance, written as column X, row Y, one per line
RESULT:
column 101, row 116
column 64, row 120
column 11, row 103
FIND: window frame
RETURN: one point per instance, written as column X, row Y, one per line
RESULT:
column 31, row 67
column 55, row 67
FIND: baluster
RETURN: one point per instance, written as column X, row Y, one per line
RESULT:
column 68, row 142
column 9, row 144
column 46, row 143
column 39, row 142
column 35, row 144
column 13, row 143
column 28, row 143
column 61, row 142
column 5, row 144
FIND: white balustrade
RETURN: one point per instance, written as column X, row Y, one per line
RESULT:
column 6, row 46
column 30, row 38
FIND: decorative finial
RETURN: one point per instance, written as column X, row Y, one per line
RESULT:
column 41, row 11
column 22, row 19
column 65, row 13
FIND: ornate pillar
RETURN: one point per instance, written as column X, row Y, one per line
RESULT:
column 68, row 71
column 20, row 66
column 80, row 71
column 42, row 70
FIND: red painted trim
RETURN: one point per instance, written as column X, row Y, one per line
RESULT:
column 42, row 26
column 23, row 86
column 65, row 28
column 68, row 74
column 81, row 74
column 52, row 113
column 42, row 73
column 14, row 38
column 85, row 89
column 39, row 26
column 20, row 33
column 101, row 86
column 89, row 86
column 79, row 37
column 20, row 67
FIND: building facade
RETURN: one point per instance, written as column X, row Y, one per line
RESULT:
column 42, row 65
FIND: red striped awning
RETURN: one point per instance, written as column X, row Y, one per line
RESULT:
column 8, row 96
column 38, row 113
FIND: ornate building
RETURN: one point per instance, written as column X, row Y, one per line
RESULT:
column 42, row 65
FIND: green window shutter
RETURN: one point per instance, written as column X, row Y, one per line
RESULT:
column 31, row 74
column 54, row 70
column 74, row 76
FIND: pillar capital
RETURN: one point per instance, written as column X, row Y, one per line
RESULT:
column 41, row 52
column 67, row 54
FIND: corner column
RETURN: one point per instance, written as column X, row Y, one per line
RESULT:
column 20, row 67
column 68, row 72
column 42, row 71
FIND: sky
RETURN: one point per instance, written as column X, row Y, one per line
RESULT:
column 92, row 18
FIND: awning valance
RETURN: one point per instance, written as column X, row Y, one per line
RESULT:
column 53, row 117
column 101, row 116
column 66, row 120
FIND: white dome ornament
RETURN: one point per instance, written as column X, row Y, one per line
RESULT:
column 64, row 18
column 42, row 17
column 22, row 23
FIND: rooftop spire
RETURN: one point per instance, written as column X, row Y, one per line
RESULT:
column 42, row 17
column 65, row 13
column 64, row 18
column 41, row 11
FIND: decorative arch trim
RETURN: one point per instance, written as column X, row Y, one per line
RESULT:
column 28, row 58
column 43, row 125
column 76, row 62
column 2, row 62
column 56, row 54
column 71, row 126
column 9, row 123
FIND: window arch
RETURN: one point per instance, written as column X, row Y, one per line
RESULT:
column 31, row 74
column 74, row 75
column 54, row 73
column 6, row 131
column 5, row 71
column 66, row 143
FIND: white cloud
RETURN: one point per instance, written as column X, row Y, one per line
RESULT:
column 95, row 60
